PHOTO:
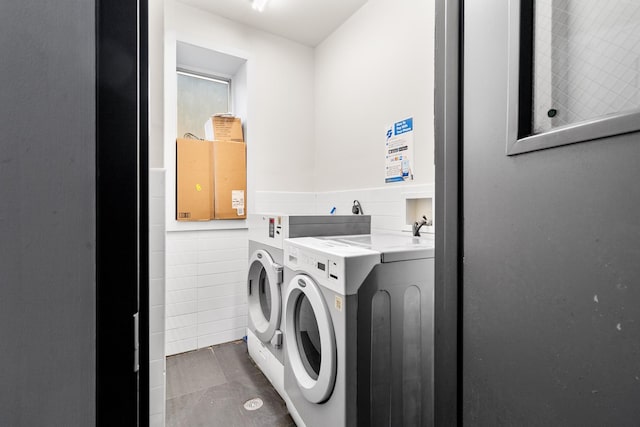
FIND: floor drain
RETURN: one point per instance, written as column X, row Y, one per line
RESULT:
column 253, row 404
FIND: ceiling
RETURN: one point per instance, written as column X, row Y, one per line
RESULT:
column 306, row 21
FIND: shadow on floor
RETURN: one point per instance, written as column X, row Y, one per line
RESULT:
column 209, row 387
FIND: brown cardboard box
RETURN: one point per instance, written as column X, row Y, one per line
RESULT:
column 194, row 180
column 230, row 183
column 223, row 128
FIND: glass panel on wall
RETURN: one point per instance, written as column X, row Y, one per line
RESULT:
column 199, row 98
column 265, row 294
column 308, row 337
column 586, row 60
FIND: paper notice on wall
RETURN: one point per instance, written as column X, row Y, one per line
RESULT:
column 399, row 151
column 237, row 201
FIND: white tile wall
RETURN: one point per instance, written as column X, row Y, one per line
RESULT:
column 206, row 299
column 384, row 204
column 224, row 336
column 156, row 297
column 181, row 346
column 156, row 420
column 285, row 202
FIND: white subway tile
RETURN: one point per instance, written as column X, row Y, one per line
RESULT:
column 221, row 302
column 222, row 325
column 156, row 319
column 221, row 337
column 156, row 238
column 156, row 182
column 157, row 420
column 237, row 233
column 386, row 223
column 181, row 296
column 177, row 347
column 295, row 208
column 223, row 243
column 180, row 245
column 176, row 322
column 156, row 211
column 183, row 235
column 156, row 346
column 181, row 334
column 181, row 308
column 222, row 313
column 222, row 278
column 156, row 400
column 238, row 288
column 221, row 267
column 156, row 265
column 223, row 255
column 156, row 292
column 177, row 271
column 181, row 283
column 182, row 258
column 156, row 373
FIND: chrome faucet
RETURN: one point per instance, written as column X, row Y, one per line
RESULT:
column 418, row 225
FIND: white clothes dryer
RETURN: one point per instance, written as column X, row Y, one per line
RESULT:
column 359, row 330
column 266, row 281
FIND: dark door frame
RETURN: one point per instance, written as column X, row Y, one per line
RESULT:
column 122, row 235
column 448, row 213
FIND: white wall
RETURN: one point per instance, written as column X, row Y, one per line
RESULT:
column 375, row 69
column 156, row 83
column 207, row 263
column 279, row 127
column 157, row 200
column 156, row 297
column 206, row 288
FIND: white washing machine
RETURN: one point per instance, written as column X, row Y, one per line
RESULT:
column 265, row 279
column 359, row 330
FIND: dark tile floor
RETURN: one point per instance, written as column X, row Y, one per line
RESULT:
column 209, row 387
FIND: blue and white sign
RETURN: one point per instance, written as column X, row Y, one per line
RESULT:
column 399, row 151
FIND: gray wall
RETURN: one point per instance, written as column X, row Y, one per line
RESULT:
column 47, row 213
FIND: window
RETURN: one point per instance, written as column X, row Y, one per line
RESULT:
column 578, row 72
column 200, row 97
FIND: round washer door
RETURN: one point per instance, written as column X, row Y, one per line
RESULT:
column 311, row 343
column 264, row 298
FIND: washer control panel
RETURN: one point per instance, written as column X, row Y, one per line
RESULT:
column 332, row 264
column 321, row 266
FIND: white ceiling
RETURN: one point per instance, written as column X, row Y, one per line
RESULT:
column 306, row 21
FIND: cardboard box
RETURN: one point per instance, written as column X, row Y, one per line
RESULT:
column 194, row 180
column 230, row 179
column 223, row 128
